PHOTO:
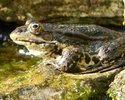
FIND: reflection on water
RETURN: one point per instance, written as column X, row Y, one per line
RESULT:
column 12, row 63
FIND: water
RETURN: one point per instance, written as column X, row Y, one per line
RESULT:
column 12, row 63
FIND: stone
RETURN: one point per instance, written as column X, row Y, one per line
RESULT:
column 117, row 87
column 72, row 11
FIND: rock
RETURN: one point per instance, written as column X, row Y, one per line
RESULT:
column 117, row 87
column 67, row 10
column 43, row 84
column 124, row 12
column 36, row 93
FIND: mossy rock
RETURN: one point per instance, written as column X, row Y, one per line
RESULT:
column 39, row 83
column 117, row 87
column 67, row 10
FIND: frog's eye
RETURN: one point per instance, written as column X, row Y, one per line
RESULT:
column 47, row 36
column 35, row 28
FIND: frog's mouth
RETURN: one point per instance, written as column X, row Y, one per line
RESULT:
column 22, row 40
column 32, row 40
column 22, row 37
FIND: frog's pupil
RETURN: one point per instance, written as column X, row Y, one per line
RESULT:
column 35, row 26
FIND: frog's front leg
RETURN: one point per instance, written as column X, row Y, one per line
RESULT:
column 67, row 61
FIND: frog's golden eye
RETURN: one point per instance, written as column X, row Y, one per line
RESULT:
column 47, row 36
column 35, row 28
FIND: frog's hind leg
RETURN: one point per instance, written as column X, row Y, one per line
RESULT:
column 118, row 64
column 102, row 68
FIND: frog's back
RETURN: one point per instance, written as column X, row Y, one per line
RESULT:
column 89, row 30
column 89, row 37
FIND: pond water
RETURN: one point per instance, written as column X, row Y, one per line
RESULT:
column 13, row 63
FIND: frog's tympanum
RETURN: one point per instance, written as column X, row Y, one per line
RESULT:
column 87, row 48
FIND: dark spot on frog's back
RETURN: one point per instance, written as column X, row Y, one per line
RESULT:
column 95, row 60
column 87, row 58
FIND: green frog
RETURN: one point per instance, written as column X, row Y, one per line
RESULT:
column 72, row 48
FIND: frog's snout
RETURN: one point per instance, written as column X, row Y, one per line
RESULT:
column 12, row 35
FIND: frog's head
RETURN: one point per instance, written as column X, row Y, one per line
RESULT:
column 33, row 36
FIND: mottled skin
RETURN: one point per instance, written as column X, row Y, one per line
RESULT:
column 85, row 48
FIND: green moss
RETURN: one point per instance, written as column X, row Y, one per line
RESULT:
column 117, row 87
column 78, row 92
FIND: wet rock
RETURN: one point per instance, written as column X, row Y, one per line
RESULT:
column 124, row 12
column 117, row 87
column 36, row 93
column 67, row 10
column 40, row 85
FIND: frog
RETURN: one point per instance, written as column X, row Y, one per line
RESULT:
column 72, row 47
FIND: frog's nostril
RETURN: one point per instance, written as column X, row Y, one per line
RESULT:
column 20, row 30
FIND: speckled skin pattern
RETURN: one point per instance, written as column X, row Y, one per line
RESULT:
column 86, row 48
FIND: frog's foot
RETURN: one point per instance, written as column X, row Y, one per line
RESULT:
column 67, row 61
column 61, row 65
column 56, row 67
column 102, row 68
